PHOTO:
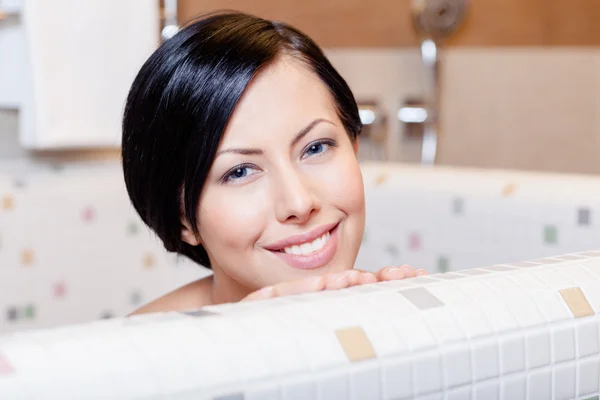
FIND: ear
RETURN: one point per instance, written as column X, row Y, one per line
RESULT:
column 187, row 234
column 355, row 145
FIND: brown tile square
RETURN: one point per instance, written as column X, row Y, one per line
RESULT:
column 355, row 343
column 577, row 302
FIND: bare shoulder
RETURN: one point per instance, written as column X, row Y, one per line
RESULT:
column 193, row 295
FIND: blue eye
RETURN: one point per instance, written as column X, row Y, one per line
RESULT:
column 318, row 148
column 238, row 173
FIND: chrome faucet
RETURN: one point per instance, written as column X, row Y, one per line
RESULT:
column 434, row 21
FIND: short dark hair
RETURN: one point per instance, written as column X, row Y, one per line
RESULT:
column 181, row 101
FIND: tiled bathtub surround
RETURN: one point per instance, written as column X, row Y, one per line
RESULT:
column 511, row 331
column 72, row 249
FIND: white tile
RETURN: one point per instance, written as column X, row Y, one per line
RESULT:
column 588, row 376
column 528, row 281
column 415, row 334
column 513, row 388
column 332, row 384
column 539, row 384
column 526, row 311
column 489, row 390
column 449, row 294
column 443, row 325
column 298, row 388
column 397, row 378
column 457, row 365
column 591, row 291
column 499, row 316
column 485, row 359
column 512, row 349
column 472, row 320
column 280, row 349
column 364, row 381
column 564, row 381
column 315, row 342
column 553, row 279
column 551, row 305
column 262, row 391
column 463, row 393
column 476, row 290
column 538, row 349
column 432, row 396
column 576, row 273
column 587, row 338
column 563, row 341
column 428, row 373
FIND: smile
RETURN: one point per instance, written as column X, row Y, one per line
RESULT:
column 308, row 251
column 309, row 248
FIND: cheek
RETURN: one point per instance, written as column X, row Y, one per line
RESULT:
column 230, row 221
column 342, row 184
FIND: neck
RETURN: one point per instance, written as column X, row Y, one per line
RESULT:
column 227, row 290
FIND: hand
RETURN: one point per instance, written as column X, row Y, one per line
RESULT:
column 335, row 281
column 396, row 273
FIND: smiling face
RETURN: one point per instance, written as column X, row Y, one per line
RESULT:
column 284, row 198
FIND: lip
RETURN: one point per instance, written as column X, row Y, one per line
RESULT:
column 301, row 238
column 316, row 259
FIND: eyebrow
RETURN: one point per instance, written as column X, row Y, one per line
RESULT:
column 297, row 138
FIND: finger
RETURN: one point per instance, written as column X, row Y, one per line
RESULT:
column 391, row 274
column 409, row 271
column 307, row 285
column 264, row 293
column 421, row 272
column 366, row 277
column 353, row 277
column 337, row 281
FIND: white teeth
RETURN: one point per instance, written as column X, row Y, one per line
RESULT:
column 308, row 248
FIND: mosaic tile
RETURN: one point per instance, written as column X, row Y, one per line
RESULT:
column 509, row 189
column 421, row 298
column 107, row 315
column 199, row 313
column 584, row 217
column 414, row 241
column 12, row 314
column 88, row 214
column 27, row 257
column 59, row 290
column 132, row 228
column 458, row 206
column 577, row 302
column 355, row 343
column 148, row 261
column 136, row 298
column 234, row 396
column 5, row 367
column 380, row 179
column 550, row 234
column 8, row 203
column 29, row 312
column 443, row 264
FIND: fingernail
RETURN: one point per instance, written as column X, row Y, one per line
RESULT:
column 267, row 290
column 420, row 272
column 396, row 273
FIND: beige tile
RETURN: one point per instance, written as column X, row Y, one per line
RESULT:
column 524, row 109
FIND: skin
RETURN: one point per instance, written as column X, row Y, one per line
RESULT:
column 285, row 166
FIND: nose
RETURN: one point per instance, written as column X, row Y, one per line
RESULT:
column 295, row 200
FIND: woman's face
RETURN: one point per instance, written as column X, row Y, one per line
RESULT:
column 284, row 198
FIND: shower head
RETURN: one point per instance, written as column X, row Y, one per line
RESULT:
column 438, row 19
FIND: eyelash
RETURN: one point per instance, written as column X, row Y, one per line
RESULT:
column 227, row 177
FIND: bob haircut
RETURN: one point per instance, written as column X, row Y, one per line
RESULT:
column 181, row 101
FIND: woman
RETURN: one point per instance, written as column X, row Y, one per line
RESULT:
column 239, row 151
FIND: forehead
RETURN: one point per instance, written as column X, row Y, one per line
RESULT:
column 284, row 97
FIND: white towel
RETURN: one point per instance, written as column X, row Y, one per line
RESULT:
column 83, row 57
